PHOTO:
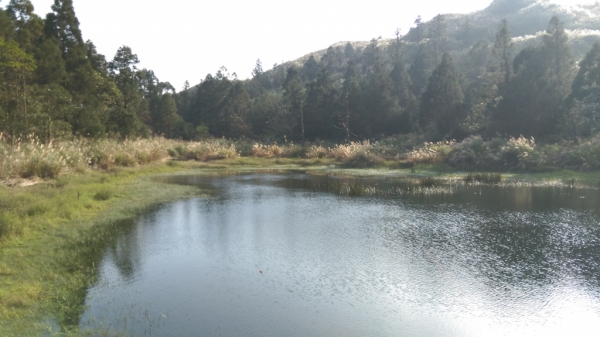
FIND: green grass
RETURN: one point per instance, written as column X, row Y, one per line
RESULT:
column 52, row 236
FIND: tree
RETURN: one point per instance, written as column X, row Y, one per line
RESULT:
column 441, row 103
column 531, row 104
column 351, row 103
column 503, row 50
column 407, row 101
column 124, row 72
column 417, row 33
column 16, row 72
column 583, row 104
column 258, row 69
column 55, row 108
column 320, row 106
column 437, row 34
column 349, row 51
column 165, row 117
column 397, row 46
column 63, row 24
column 293, row 94
column 382, row 106
column 420, row 69
column 310, row 69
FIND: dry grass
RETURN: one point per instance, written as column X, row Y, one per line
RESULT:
column 30, row 158
column 431, row 153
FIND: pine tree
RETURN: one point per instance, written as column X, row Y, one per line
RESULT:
column 406, row 100
column 441, row 103
column 320, row 107
column 503, row 49
column 531, row 106
column 351, row 104
column 583, row 104
column 420, row 69
column 310, row 69
column 165, row 117
column 384, row 113
column 437, row 34
column 293, row 94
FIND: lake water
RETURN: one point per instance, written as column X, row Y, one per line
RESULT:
column 286, row 255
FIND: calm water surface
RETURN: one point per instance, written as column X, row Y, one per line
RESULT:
column 279, row 255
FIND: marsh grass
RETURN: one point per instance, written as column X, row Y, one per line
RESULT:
column 483, row 178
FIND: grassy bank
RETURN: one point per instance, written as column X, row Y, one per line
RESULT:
column 59, row 231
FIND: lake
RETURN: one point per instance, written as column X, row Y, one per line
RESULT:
column 291, row 254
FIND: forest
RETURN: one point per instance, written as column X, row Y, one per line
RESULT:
column 426, row 83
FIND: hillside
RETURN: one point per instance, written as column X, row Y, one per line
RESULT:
column 528, row 20
column 507, row 70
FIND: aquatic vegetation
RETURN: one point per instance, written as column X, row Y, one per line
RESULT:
column 483, row 178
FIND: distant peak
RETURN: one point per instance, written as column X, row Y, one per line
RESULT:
column 501, row 7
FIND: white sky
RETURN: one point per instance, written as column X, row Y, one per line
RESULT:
column 187, row 39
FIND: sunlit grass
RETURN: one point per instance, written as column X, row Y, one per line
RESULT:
column 55, row 234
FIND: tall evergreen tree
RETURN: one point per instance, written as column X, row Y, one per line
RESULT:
column 310, row 69
column 420, row 69
column 531, row 104
column 408, row 103
column 351, row 104
column 382, row 106
column 441, row 103
column 437, row 34
column 503, row 50
column 293, row 94
column 583, row 104
column 319, row 109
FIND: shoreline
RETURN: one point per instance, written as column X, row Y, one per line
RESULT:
column 47, row 265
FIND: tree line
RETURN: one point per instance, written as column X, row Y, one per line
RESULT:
column 56, row 85
column 418, row 83
column 53, row 84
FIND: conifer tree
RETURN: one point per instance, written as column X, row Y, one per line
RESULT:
column 406, row 100
column 310, row 69
column 383, row 110
column 293, row 94
column 351, row 104
column 441, row 103
column 319, row 108
column 420, row 69
column 583, row 104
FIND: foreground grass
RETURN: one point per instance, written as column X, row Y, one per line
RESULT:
column 59, row 231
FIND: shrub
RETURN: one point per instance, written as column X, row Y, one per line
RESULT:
column 471, row 152
column 316, row 151
column 431, row 153
column 519, row 152
column 363, row 159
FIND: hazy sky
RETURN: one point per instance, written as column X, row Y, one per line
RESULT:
column 186, row 39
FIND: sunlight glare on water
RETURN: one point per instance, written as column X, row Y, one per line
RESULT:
column 283, row 255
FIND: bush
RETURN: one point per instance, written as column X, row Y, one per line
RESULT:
column 471, row 152
column 363, row 160
column 431, row 153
